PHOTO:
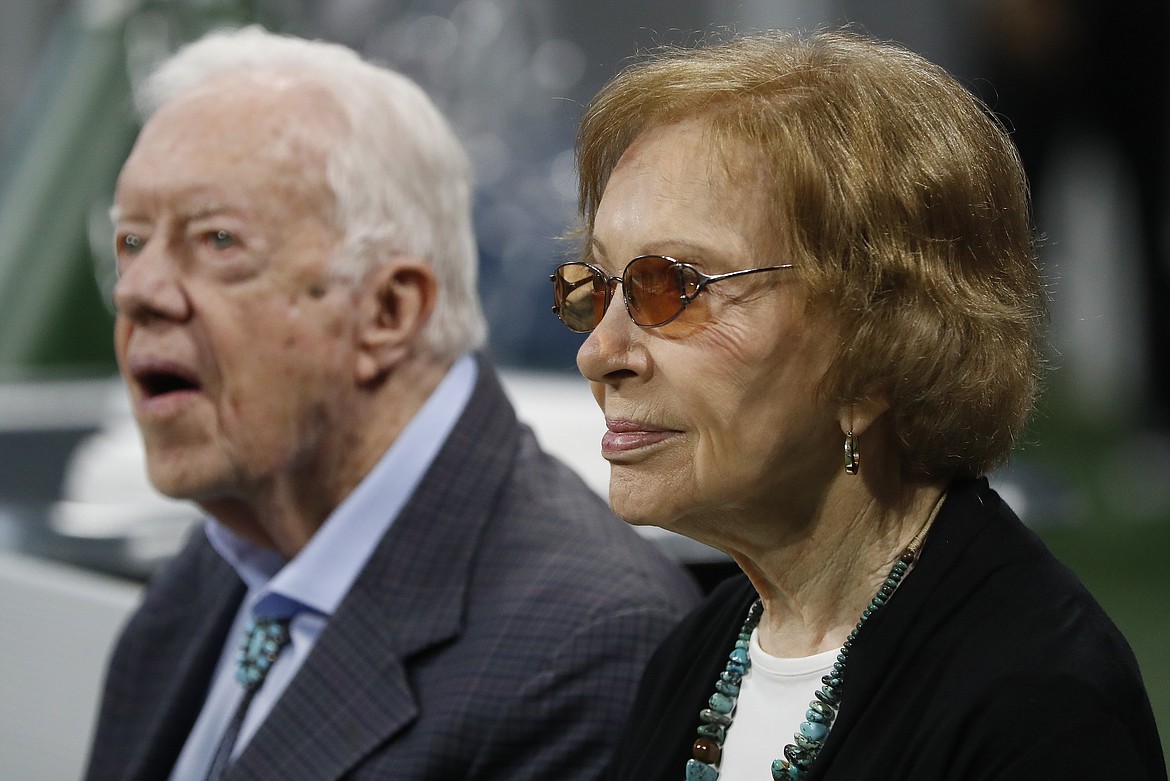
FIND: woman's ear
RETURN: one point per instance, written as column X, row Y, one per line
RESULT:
column 397, row 303
column 860, row 415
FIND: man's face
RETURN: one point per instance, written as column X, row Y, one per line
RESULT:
column 236, row 346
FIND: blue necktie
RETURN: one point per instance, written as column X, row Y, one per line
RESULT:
column 264, row 639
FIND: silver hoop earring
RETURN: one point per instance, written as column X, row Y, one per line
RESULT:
column 852, row 454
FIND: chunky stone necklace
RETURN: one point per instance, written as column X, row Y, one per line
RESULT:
column 799, row 755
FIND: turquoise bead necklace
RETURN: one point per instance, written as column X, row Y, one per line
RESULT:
column 715, row 719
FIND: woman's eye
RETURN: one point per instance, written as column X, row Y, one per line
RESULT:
column 221, row 240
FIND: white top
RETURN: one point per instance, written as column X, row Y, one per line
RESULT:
column 773, row 698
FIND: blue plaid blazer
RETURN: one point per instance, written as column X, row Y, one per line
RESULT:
column 498, row 631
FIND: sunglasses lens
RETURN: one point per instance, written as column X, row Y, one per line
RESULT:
column 654, row 288
column 578, row 296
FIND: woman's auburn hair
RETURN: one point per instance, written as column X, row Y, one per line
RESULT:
column 901, row 200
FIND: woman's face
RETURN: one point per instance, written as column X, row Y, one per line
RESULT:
column 714, row 416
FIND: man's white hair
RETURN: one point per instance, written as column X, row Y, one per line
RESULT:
column 401, row 179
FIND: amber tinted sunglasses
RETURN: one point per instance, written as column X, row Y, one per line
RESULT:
column 655, row 288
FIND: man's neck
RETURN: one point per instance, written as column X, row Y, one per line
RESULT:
column 284, row 513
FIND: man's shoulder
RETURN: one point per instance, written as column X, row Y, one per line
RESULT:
column 551, row 543
column 191, row 581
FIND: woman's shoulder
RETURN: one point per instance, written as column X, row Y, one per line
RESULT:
column 1002, row 588
column 992, row 628
column 989, row 631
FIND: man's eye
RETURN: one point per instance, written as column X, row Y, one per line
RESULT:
column 130, row 243
column 221, row 240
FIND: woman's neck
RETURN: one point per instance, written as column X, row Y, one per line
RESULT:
column 814, row 587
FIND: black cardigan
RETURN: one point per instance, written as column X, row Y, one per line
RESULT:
column 991, row 661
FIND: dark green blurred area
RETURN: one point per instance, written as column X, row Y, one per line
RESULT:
column 1104, row 508
column 64, row 147
column 1114, row 532
column 1126, row 569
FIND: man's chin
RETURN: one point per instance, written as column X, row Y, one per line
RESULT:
column 181, row 482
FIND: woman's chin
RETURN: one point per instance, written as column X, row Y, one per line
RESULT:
column 633, row 512
column 644, row 511
column 635, row 500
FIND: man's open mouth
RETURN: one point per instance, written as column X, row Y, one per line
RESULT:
column 160, row 381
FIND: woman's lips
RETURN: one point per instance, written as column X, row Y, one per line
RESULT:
column 624, row 436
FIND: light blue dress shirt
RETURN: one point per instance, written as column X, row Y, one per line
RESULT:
column 312, row 585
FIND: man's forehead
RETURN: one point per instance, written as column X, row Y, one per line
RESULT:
column 228, row 135
column 236, row 117
column 289, row 100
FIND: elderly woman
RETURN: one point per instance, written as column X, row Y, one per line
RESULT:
column 829, row 328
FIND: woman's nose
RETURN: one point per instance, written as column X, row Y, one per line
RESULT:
column 613, row 349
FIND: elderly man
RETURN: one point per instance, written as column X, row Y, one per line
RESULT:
column 393, row 581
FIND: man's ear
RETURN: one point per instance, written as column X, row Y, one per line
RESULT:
column 397, row 302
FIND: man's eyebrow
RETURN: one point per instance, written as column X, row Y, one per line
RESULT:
column 211, row 209
column 201, row 211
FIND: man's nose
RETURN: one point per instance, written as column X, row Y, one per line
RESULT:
column 150, row 286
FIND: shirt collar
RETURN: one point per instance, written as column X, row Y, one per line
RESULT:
column 322, row 573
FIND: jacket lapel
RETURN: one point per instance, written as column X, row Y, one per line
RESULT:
column 189, row 627
column 353, row 693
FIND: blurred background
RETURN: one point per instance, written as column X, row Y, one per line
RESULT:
column 1084, row 86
